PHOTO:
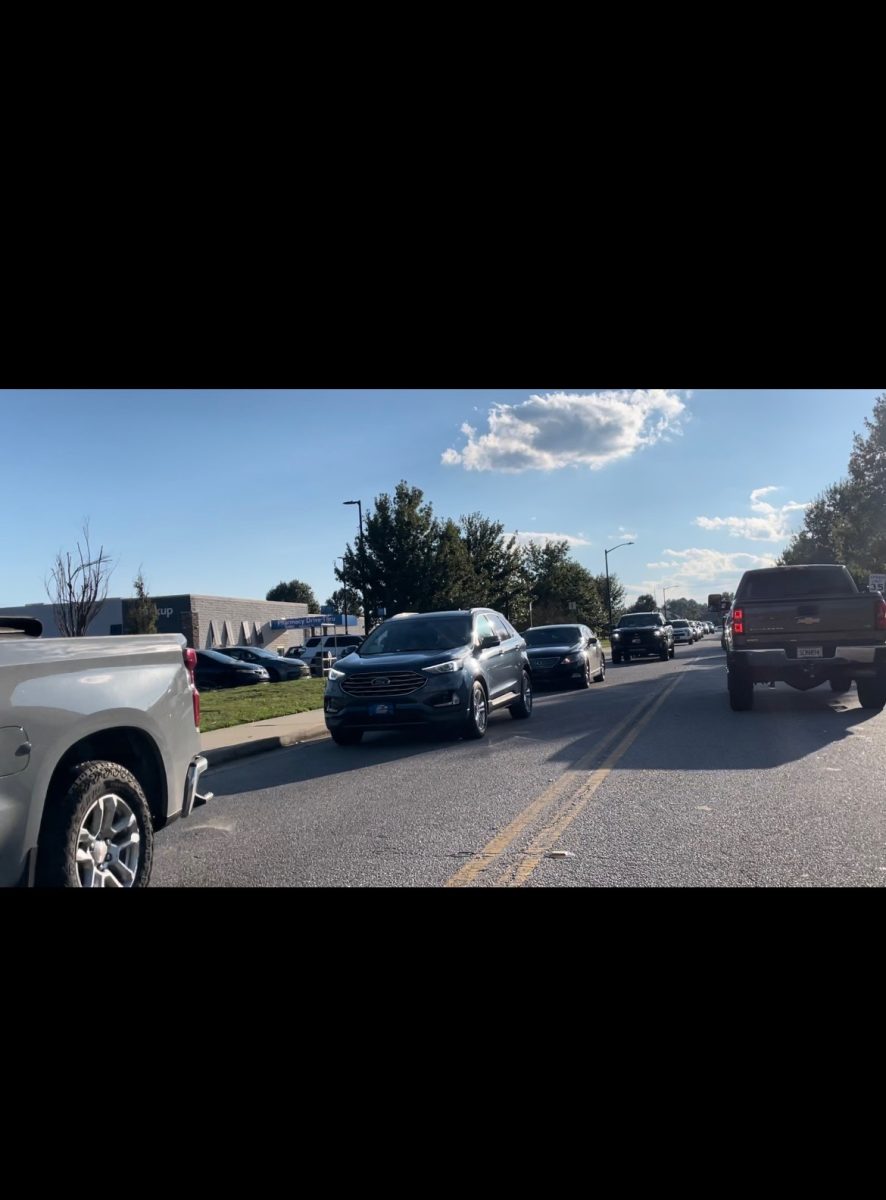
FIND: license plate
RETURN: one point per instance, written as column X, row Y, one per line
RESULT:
column 809, row 652
column 381, row 710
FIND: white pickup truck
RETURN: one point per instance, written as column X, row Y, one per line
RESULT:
column 99, row 747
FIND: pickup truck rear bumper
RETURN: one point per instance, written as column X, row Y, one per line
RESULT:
column 781, row 666
column 197, row 766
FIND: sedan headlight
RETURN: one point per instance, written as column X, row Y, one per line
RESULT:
column 333, row 674
column 446, row 668
column 616, row 636
column 569, row 658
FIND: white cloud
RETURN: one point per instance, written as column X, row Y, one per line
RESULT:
column 524, row 538
column 569, row 429
column 771, row 525
column 624, row 534
column 697, row 571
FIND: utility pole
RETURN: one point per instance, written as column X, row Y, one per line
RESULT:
column 608, row 588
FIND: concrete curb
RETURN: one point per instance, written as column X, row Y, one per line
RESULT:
column 223, row 754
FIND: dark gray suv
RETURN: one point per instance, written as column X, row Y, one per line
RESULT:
column 446, row 669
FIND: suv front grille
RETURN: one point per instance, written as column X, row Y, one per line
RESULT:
column 384, row 683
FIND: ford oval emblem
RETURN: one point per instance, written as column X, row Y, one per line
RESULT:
column 380, row 682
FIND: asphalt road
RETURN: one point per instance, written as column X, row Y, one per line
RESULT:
column 647, row 780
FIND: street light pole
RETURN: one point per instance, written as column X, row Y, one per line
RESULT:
column 608, row 589
column 344, row 594
column 664, row 592
column 366, row 623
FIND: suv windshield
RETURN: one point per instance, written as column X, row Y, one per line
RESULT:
column 636, row 619
column 419, row 633
column 554, row 635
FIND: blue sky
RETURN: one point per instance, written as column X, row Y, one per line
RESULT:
column 228, row 492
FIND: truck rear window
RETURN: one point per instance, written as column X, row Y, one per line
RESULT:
column 788, row 584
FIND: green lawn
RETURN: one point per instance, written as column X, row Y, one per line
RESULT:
column 239, row 706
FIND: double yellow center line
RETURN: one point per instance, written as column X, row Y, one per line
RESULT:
column 566, row 810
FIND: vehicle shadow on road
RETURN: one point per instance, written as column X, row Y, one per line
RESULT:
column 696, row 730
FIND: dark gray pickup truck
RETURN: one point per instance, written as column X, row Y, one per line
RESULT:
column 805, row 626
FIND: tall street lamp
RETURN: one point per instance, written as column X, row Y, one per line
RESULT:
column 665, row 591
column 366, row 624
column 608, row 589
column 340, row 559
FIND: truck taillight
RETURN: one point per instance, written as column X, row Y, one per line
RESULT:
column 738, row 621
column 881, row 614
column 190, row 657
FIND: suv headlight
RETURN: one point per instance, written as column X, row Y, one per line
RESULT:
column 659, row 633
column 447, row 668
column 333, row 674
column 616, row 635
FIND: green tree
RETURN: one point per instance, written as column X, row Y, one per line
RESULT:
column 495, row 575
column 345, row 600
column 619, row 595
column 141, row 616
column 560, row 588
column 294, row 592
column 847, row 522
column 644, row 604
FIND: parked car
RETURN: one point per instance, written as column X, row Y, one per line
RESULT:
column 335, row 644
column 216, row 670
column 99, row 747
column 640, row 634
column 565, row 654
column 449, row 669
column 280, row 669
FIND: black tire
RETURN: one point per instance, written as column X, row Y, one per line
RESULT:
column 664, row 654
column 616, row 658
column 346, row 737
column 522, row 710
column 741, row 691
column 872, row 693
column 76, row 814
column 672, row 651
column 600, row 677
column 842, row 683
column 585, row 680
column 478, row 715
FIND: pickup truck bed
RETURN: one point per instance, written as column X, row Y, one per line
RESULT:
column 805, row 626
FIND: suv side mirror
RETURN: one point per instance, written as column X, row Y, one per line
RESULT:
column 592, row 641
column 490, row 642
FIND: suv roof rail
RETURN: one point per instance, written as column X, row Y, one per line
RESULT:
column 30, row 626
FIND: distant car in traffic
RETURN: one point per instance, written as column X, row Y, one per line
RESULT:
column 280, row 669
column 641, row 634
column 216, row 670
column 684, row 634
column 565, row 654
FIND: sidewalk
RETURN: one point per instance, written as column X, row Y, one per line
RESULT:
column 239, row 741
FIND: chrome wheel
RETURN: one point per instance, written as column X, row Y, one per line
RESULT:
column 108, row 844
column 479, row 710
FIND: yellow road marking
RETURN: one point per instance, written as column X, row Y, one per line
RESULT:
column 486, row 857
column 517, row 874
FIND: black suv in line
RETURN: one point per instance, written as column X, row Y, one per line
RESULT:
column 639, row 634
column 446, row 669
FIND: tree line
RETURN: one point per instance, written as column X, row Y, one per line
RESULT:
column 415, row 561
column 847, row 522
